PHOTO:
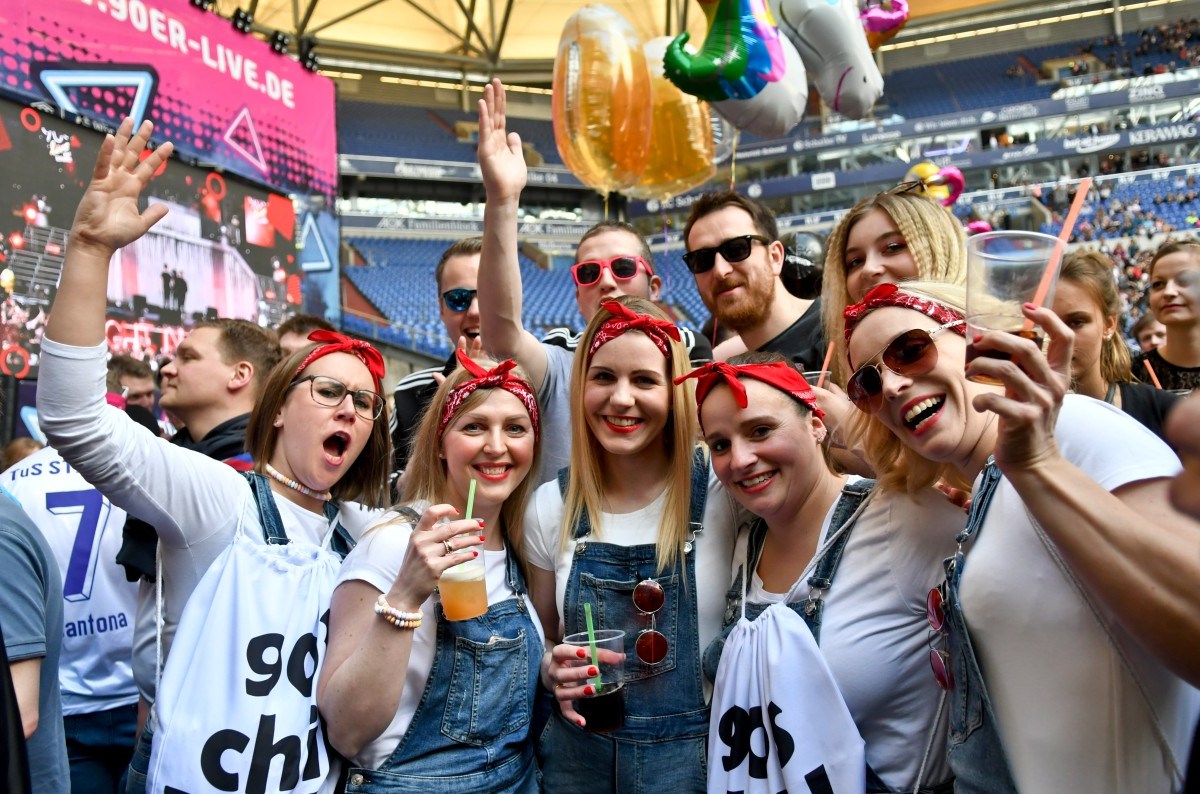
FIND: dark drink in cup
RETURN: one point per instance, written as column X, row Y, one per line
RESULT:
column 604, row 712
column 973, row 353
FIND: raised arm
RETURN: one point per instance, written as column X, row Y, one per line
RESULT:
column 1129, row 548
column 502, row 165
column 107, row 219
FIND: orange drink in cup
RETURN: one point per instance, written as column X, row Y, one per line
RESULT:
column 463, row 589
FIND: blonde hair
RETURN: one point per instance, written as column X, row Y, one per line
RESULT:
column 1093, row 272
column 585, row 487
column 933, row 235
column 426, row 477
column 896, row 466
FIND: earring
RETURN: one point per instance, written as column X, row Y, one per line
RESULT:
column 821, row 436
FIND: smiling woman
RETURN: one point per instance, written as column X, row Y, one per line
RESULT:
column 1176, row 363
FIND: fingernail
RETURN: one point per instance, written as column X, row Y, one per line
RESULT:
column 1031, row 306
column 457, row 512
column 579, row 722
column 482, row 523
column 976, row 337
column 593, row 671
column 581, row 653
column 589, row 691
column 482, row 538
column 475, row 553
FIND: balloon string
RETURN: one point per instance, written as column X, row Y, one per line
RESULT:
column 606, row 206
column 733, row 161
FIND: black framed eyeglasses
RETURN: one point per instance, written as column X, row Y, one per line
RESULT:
column 735, row 249
column 329, row 392
column 459, row 299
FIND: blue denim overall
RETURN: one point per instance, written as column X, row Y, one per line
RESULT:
column 273, row 533
column 976, row 753
column 470, row 732
column 663, row 745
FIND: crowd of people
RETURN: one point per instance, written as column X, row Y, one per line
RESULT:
column 310, row 589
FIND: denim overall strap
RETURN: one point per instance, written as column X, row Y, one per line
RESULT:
column 974, row 749
column 268, row 515
column 471, row 730
column 853, row 495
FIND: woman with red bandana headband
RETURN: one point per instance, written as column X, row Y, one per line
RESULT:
column 318, row 437
column 1051, row 621
column 638, row 531
column 857, row 562
column 450, row 701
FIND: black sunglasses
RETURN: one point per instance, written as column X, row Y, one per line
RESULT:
column 735, row 249
column 459, row 299
column 911, row 354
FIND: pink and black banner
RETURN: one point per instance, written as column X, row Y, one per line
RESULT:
column 224, row 98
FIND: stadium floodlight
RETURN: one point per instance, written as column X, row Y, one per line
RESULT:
column 204, row 5
column 308, row 54
column 280, row 42
column 242, row 20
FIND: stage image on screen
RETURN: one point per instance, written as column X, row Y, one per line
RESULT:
column 226, row 248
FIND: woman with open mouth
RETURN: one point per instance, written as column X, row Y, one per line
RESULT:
column 320, row 447
column 857, row 561
column 1059, row 649
column 450, row 698
column 1174, row 271
column 637, row 532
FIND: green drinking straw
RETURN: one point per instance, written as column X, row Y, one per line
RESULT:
column 587, row 614
column 471, row 498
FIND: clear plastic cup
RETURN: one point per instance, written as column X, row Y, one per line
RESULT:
column 604, row 711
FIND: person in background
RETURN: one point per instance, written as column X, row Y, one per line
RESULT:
column 1176, row 363
column 1148, row 332
column 455, row 275
column 99, row 696
column 453, row 701
column 18, row 449
column 31, row 611
column 133, row 380
column 1087, row 301
column 293, row 332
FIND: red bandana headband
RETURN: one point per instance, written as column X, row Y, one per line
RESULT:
column 624, row 319
column 333, row 342
column 499, row 377
column 891, row 295
column 778, row 374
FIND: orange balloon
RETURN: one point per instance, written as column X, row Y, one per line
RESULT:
column 601, row 99
column 682, row 152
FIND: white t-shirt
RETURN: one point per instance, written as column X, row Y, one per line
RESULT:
column 194, row 502
column 1069, row 713
column 714, row 547
column 84, row 531
column 376, row 560
column 874, row 630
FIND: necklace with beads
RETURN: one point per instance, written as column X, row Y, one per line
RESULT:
column 274, row 474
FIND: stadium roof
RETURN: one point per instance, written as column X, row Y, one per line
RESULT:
column 516, row 39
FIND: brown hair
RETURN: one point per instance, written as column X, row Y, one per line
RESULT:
column 426, row 478
column 1173, row 247
column 242, row 340
column 125, row 367
column 620, row 226
column 302, row 325
column 466, row 247
column 586, row 487
column 366, row 480
column 717, row 200
column 1094, row 272
column 934, row 237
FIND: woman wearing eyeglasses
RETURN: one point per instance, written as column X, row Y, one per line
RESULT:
column 638, row 531
column 859, row 564
column 318, row 435
column 449, row 703
column 1176, row 363
column 1055, row 684
column 1087, row 302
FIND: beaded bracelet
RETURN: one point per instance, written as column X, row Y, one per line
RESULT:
column 401, row 620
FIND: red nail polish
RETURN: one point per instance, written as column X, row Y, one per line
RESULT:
column 482, row 523
column 475, row 553
column 482, row 538
column 589, row 691
column 1031, row 306
column 579, row 722
column 457, row 512
column 976, row 337
column 593, row 671
column 581, row 653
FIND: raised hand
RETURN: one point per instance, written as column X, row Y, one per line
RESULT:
column 501, row 159
column 108, row 217
column 1034, row 386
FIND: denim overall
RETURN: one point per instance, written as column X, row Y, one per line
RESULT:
column 976, row 753
column 470, row 732
column 273, row 533
column 663, row 745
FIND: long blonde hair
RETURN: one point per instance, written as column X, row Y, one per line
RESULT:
column 585, row 488
column 933, row 235
column 896, row 466
column 426, row 480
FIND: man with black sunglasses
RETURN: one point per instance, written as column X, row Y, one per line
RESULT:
column 735, row 256
column 612, row 260
column 456, row 275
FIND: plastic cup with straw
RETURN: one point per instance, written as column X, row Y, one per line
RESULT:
column 463, row 587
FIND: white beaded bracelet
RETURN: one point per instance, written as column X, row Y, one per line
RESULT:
column 401, row 620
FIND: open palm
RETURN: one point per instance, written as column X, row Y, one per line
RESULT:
column 501, row 160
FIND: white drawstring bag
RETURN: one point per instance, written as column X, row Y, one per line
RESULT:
column 778, row 720
column 237, row 705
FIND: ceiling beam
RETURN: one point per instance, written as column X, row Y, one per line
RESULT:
column 344, row 17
